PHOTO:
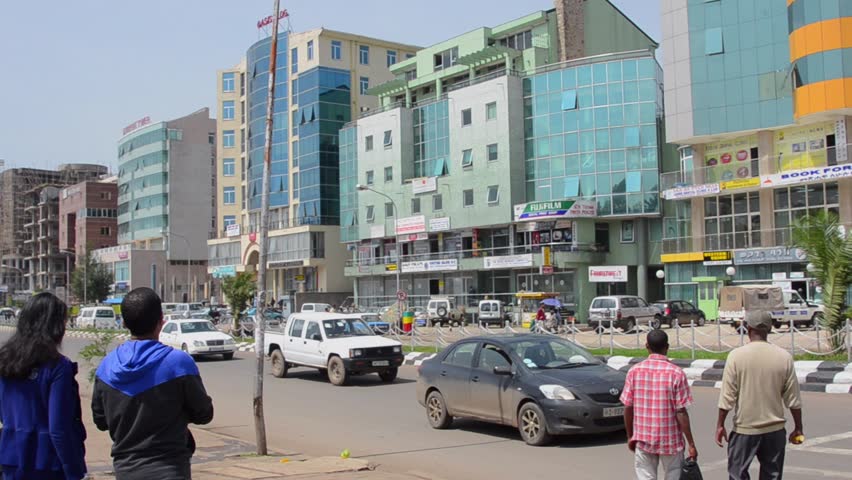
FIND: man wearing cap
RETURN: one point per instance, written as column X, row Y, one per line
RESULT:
column 759, row 381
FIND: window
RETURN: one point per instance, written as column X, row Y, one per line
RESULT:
column 364, row 55
column 228, row 82
column 492, row 152
column 296, row 329
column 467, row 117
column 490, row 111
column 388, row 174
column 336, row 50
column 713, row 41
column 294, row 60
column 415, row 205
column 229, row 196
column 388, row 210
column 228, row 138
column 409, row 55
column 732, row 221
column 371, row 214
column 462, row 355
column 467, row 158
column 491, row 356
column 228, row 167
column 446, row 59
column 518, row 41
column 627, row 231
column 493, row 194
column 229, row 220
column 106, row 195
column 105, row 231
column 368, row 143
column 369, row 177
column 569, row 100
column 364, row 85
column 793, row 203
column 310, row 49
column 388, row 140
column 437, row 202
column 296, row 185
column 228, row 110
column 391, row 57
column 467, row 198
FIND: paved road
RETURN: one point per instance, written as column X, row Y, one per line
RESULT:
column 383, row 423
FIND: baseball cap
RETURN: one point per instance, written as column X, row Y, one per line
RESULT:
column 759, row 319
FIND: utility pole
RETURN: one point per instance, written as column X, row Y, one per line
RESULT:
column 259, row 422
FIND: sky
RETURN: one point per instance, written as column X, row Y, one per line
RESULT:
column 75, row 73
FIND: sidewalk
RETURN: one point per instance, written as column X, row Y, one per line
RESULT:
column 219, row 457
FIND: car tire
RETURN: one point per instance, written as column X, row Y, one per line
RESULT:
column 389, row 375
column 701, row 321
column 228, row 356
column 184, row 349
column 279, row 364
column 629, row 325
column 532, row 425
column 337, row 374
column 656, row 322
column 436, row 411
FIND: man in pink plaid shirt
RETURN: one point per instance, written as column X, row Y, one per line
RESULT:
column 656, row 394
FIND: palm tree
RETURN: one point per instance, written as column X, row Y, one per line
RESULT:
column 829, row 252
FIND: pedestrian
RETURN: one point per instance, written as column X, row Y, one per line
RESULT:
column 656, row 395
column 146, row 394
column 759, row 380
column 43, row 434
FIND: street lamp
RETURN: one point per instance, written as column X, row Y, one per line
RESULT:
column 361, row 187
column 730, row 271
column 661, row 274
column 166, row 233
column 810, row 267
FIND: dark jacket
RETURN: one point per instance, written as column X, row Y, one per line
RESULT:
column 42, row 423
column 146, row 394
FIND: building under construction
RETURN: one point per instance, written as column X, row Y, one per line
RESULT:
column 29, row 240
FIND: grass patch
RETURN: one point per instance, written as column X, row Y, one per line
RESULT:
column 98, row 330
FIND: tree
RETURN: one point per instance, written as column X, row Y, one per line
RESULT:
column 239, row 290
column 91, row 280
column 829, row 250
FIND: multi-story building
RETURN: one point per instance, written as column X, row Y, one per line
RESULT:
column 322, row 77
column 166, row 201
column 525, row 156
column 758, row 96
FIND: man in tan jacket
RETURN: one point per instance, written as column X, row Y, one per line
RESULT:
column 758, row 382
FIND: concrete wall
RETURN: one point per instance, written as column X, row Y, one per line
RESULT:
column 607, row 30
column 677, row 70
column 234, row 152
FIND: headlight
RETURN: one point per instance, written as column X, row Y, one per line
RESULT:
column 199, row 343
column 397, row 349
column 556, row 392
column 229, row 341
column 356, row 352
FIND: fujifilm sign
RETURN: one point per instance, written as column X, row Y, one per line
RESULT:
column 806, row 175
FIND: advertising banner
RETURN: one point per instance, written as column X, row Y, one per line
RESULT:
column 729, row 160
column 608, row 274
column 802, row 147
column 718, row 258
column 740, row 183
column 691, row 191
column 407, row 225
column 509, row 261
column 424, row 185
column 756, row 256
column 446, row 264
column 555, row 209
column 232, row 230
column 439, row 224
column 816, row 174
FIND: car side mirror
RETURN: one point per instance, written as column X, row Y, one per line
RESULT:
column 503, row 370
column 316, row 337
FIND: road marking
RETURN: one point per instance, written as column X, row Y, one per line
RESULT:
column 817, row 472
column 833, row 451
column 812, row 442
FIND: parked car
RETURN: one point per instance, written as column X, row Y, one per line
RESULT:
column 97, row 317
column 197, row 338
column 493, row 312
column 623, row 311
column 443, row 311
column 342, row 345
column 420, row 316
column 679, row 312
column 783, row 305
column 315, row 307
column 375, row 322
column 540, row 384
column 7, row 314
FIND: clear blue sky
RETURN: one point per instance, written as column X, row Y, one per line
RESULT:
column 74, row 73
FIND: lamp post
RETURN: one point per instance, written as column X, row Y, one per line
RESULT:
column 361, row 188
column 188, row 262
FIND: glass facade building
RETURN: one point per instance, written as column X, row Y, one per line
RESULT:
column 431, row 139
column 591, row 131
column 143, row 199
column 348, row 180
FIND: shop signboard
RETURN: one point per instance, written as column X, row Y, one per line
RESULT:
column 729, row 159
column 413, row 237
column 447, row 264
column 817, row 174
column 690, row 191
column 608, row 274
column 408, row 225
column 803, row 147
column 424, row 185
column 555, row 210
column 718, row 258
column 754, row 256
column 441, row 224
column 232, row 230
column 224, row 271
column 509, row 261
column 740, row 183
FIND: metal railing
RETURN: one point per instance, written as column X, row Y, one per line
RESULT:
column 380, row 109
column 280, row 225
column 482, row 79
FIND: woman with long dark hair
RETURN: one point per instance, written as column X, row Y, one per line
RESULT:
column 43, row 435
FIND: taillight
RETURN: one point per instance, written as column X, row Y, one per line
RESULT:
column 668, row 311
column 618, row 315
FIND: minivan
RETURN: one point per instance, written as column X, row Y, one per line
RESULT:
column 102, row 318
column 624, row 312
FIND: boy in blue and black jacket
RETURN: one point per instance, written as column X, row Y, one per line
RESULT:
column 146, row 394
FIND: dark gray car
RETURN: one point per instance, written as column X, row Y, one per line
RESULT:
column 541, row 384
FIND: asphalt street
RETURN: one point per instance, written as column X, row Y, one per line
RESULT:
column 385, row 424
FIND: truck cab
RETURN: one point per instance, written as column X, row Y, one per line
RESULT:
column 342, row 345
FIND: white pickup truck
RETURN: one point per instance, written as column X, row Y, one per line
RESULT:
column 341, row 345
column 783, row 305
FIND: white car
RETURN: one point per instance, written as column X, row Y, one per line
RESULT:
column 343, row 345
column 197, row 338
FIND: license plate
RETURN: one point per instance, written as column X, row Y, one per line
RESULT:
column 217, row 349
column 381, row 363
column 613, row 412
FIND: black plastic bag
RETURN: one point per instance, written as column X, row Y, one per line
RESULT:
column 690, row 470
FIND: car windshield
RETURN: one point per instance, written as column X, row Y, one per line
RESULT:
column 549, row 354
column 371, row 318
column 662, row 305
column 195, row 307
column 197, row 327
column 346, row 327
column 603, row 303
column 104, row 314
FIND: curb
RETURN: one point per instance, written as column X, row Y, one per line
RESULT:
column 71, row 333
column 814, row 376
